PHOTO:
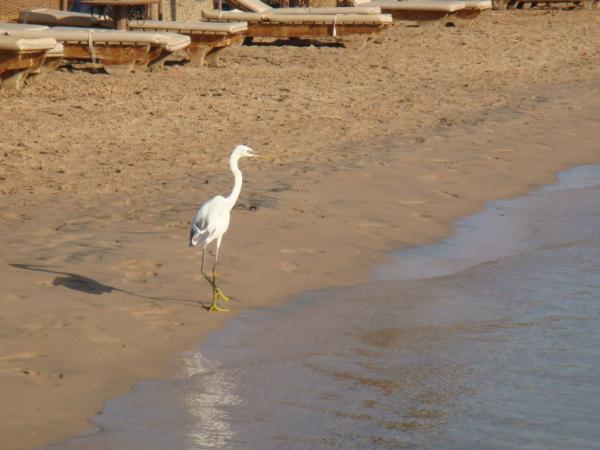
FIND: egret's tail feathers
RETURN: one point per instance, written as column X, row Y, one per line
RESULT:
column 196, row 235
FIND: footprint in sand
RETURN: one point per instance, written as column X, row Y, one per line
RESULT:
column 20, row 364
column 411, row 202
column 153, row 314
column 139, row 270
column 289, row 266
column 100, row 336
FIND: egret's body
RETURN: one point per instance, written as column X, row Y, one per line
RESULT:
column 211, row 221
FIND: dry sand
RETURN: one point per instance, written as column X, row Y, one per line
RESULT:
column 371, row 150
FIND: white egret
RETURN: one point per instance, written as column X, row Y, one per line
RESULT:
column 212, row 220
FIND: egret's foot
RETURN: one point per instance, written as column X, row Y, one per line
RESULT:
column 219, row 294
column 213, row 307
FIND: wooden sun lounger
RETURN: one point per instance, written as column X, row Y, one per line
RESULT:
column 53, row 57
column 208, row 39
column 409, row 10
column 352, row 30
column 19, row 57
column 419, row 10
column 119, row 52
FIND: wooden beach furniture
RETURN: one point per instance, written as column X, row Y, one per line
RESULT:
column 409, row 10
column 19, row 57
column 52, row 58
column 208, row 39
column 118, row 52
column 352, row 30
column 421, row 11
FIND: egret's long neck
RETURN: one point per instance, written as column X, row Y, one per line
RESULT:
column 237, row 185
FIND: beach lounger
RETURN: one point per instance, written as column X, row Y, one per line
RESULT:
column 19, row 57
column 53, row 57
column 208, row 39
column 352, row 30
column 349, row 25
column 413, row 10
column 119, row 52
column 421, row 11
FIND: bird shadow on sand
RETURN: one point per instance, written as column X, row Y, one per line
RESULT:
column 88, row 285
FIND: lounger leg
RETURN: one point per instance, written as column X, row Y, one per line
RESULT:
column 14, row 80
column 49, row 65
column 158, row 62
column 354, row 42
column 197, row 54
column 118, row 69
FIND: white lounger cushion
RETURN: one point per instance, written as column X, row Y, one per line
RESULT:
column 258, row 6
column 419, row 5
column 24, row 45
column 199, row 27
column 8, row 27
column 333, row 10
column 170, row 41
column 252, row 5
column 342, row 19
column 55, row 17
column 478, row 4
column 57, row 52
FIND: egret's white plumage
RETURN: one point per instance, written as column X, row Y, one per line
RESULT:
column 211, row 221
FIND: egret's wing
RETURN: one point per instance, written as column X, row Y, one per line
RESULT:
column 208, row 221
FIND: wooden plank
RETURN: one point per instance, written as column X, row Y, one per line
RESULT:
column 284, row 30
column 416, row 16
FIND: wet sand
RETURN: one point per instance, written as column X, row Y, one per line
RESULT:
column 488, row 347
column 99, row 180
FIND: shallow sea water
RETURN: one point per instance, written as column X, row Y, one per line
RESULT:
column 489, row 339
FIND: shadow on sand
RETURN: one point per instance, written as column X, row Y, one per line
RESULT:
column 90, row 286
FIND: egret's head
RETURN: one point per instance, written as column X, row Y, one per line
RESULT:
column 241, row 151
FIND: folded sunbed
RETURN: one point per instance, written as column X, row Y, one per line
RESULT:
column 208, row 39
column 352, row 30
column 59, row 18
column 19, row 57
column 118, row 51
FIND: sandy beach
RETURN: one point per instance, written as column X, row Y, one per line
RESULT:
column 369, row 151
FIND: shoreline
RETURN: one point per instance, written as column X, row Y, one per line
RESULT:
column 119, row 287
column 216, row 402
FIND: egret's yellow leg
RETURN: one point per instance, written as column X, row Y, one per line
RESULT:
column 217, row 293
